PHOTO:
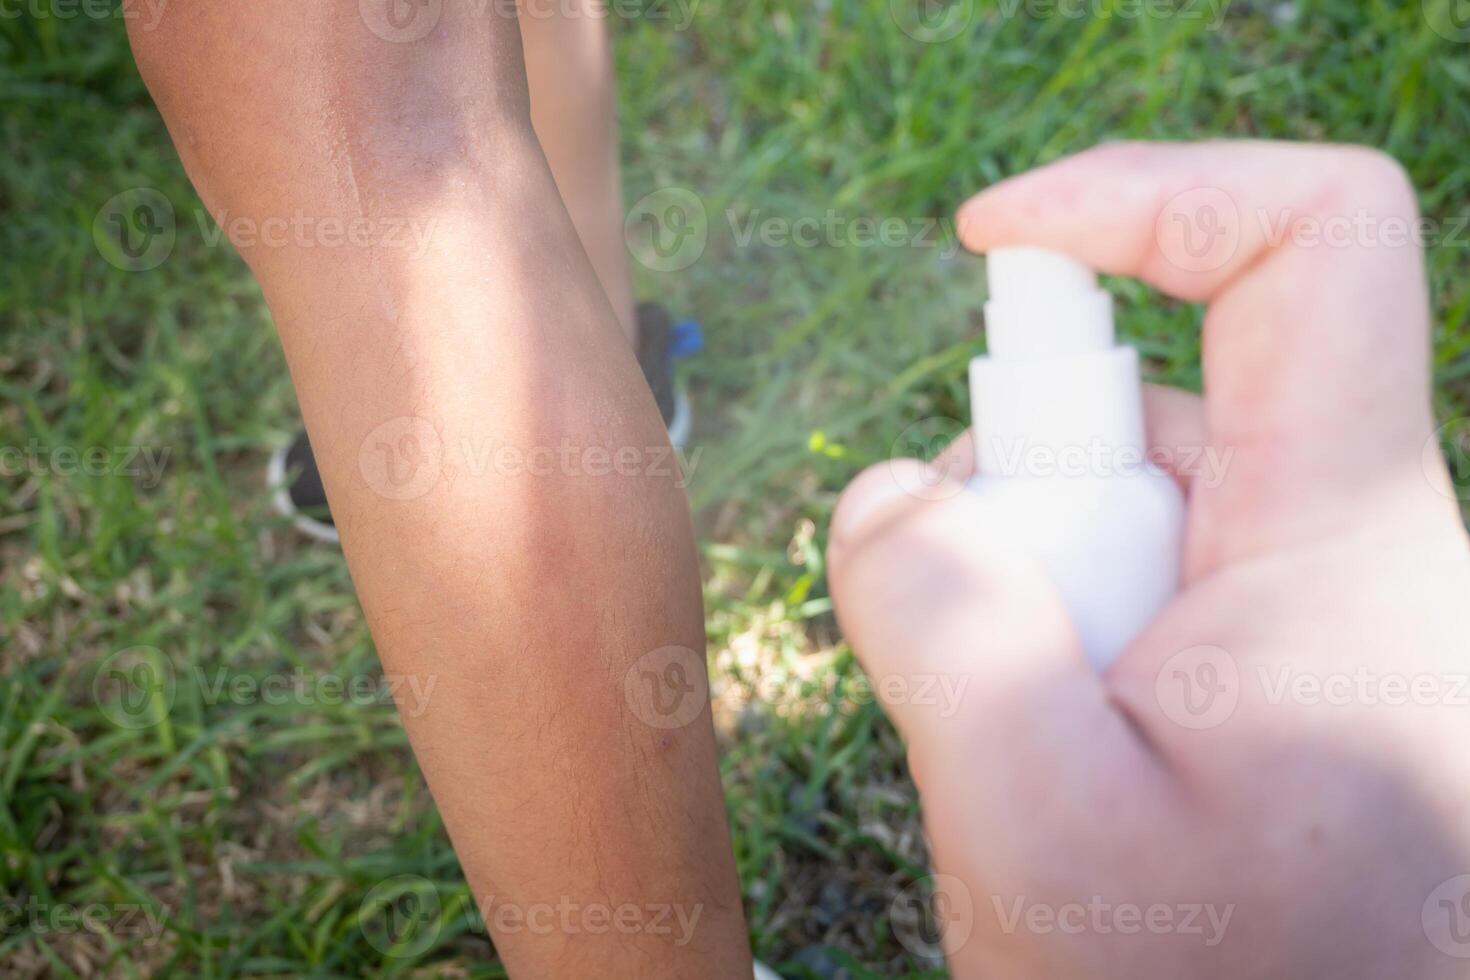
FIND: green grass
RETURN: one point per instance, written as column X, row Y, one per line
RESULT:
column 254, row 831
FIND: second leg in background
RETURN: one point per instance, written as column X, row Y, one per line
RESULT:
column 569, row 70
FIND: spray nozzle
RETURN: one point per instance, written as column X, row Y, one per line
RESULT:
column 1027, row 274
column 1044, row 304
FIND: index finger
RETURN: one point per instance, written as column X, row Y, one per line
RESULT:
column 1316, row 340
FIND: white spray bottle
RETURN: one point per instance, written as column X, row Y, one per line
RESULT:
column 1060, row 449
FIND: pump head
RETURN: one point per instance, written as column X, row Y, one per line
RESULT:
column 1044, row 304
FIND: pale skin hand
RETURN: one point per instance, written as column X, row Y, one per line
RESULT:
column 1308, row 834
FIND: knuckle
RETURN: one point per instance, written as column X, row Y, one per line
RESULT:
column 1370, row 176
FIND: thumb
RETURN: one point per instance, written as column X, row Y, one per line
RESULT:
column 962, row 635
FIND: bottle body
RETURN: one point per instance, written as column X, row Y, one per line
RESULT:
column 1110, row 544
column 1061, row 454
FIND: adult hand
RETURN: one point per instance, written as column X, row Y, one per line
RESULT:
column 1273, row 780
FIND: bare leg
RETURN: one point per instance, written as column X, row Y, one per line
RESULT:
column 440, row 384
column 569, row 66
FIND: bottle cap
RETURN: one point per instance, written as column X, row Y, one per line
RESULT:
column 1044, row 304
